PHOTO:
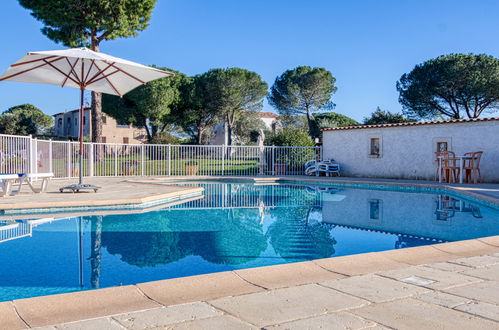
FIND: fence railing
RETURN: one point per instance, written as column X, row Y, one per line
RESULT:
column 21, row 154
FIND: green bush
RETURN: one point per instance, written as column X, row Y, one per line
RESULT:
column 289, row 137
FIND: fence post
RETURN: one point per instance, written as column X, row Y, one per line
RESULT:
column 32, row 154
column 141, row 160
column 273, row 160
column 68, row 159
column 223, row 160
column 90, row 159
column 51, row 161
column 115, row 159
column 169, row 160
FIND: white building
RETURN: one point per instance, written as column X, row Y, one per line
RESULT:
column 407, row 150
column 220, row 136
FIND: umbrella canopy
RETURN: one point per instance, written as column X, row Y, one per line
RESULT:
column 84, row 69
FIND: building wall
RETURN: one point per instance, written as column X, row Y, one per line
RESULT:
column 408, row 152
column 111, row 131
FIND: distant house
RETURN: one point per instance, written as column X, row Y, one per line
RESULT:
column 220, row 136
column 407, row 150
column 66, row 125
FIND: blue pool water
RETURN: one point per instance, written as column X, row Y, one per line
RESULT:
column 236, row 225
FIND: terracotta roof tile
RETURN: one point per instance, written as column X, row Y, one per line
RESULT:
column 416, row 123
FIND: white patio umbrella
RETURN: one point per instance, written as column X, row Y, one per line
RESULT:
column 84, row 69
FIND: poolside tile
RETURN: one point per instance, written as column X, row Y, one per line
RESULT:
column 442, row 299
column 220, row 322
column 62, row 308
column 414, row 314
column 286, row 275
column 359, row 264
column 9, row 318
column 161, row 317
column 483, row 291
column 467, row 248
column 339, row 320
column 490, row 273
column 492, row 240
column 195, row 288
column 418, row 255
column 481, row 309
column 375, row 288
column 285, row 305
column 103, row 323
column 448, row 266
column 478, row 261
column 440, row 279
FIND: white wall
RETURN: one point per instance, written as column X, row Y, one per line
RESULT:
column 408, row 152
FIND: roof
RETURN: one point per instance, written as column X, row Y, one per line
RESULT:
column 61, row 113
column 416, row 123
column 263, row 114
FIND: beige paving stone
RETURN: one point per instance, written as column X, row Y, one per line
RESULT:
column 418, row 255
column 490, row 273
column 483, row 291
column 68, row 307
column 9, row 318
column 375, row 288
column 95, row 324
column 442, row 299
column 477, row 261
column 167, row 315
column 288, row 304
column 286, row 275
column 339, row 320
column 467, row 248
column 195, row 288
column 448, row 266
column 442, row 279
column 481, row 309
column 222, row 322
column 413, row 314
column 359, row 264
column 492, row 240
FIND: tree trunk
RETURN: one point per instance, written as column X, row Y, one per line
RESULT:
column 310, row 122
column 154, row 131
column 96, row 105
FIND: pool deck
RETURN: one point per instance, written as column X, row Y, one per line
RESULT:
column 444, row 286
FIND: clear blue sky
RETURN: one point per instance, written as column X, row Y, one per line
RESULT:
column 367, row 45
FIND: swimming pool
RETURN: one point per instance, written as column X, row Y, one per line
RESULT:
column 236, row 225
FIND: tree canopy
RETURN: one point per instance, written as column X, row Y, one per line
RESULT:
column 86, row 23
column 25, row 119
column 147, row 106
column 452, row 86
column 380, row 116
column 303, row 91
column 333, row 119
column 288, row 137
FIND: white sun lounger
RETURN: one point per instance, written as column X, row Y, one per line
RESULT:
column 7, row 180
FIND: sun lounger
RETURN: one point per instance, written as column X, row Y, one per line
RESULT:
column 7, row 180
column 313, row 167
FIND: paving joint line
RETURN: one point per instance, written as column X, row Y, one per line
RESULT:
column 19, row 315
column 245, row 280
column 145, row 295
column 229, row 314
column 346, row 275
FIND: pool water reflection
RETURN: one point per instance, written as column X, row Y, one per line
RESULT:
column 237, row 225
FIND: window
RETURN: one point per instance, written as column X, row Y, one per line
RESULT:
column 103, row 139
column 84, row 120
column 375, row 147
column 104, row 119
column 442, row 146
column 76, row 121
column 122, row 126
column 59, row 122
column 375, row 209
column 126, row 140
column 69, row 123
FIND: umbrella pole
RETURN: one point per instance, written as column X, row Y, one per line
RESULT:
column 81, row 136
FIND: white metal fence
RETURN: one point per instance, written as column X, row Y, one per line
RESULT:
column 21, row 154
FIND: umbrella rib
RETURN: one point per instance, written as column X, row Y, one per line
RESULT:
column 128, row 74
column 89, row 69
column 71, row 66
column 30, row 69
column 32, row 61
column 62, row 72
column 102, row 77
column 110, row 83
column 98, row 73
